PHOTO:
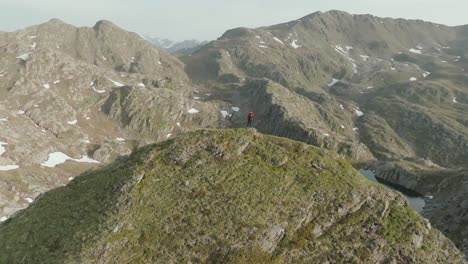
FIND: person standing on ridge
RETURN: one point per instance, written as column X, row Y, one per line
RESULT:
column 250, row 118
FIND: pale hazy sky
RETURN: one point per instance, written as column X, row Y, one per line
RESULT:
column 208, row 19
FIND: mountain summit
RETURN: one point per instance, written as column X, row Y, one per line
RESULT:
column 229, row 196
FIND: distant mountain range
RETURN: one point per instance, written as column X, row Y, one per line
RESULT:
column 184, row 47
column 380, row 93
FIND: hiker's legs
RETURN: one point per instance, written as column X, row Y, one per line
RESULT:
column 249, row 122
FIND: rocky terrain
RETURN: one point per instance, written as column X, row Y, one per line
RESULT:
column 229, row 196
column 87, row 95
column 370, row 88
column 390, row 94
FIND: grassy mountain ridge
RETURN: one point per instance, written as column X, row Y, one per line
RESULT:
column 229, row 196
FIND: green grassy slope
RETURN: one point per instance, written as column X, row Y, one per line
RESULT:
column 229, row 196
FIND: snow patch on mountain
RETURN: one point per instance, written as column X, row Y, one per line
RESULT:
column 193, row 111
column 345, row 53
column 24, row 56
column 278, row 40
column 359, row 113
column 224, row 113
column 2, row 148
column 333, row 82
column 8, row 167
column 117, row 84
column 294, row 44
column 57, row 158
column 98, row 91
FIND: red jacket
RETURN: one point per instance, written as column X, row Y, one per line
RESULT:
column 250, row 116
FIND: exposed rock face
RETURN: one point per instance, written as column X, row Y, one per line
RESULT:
column 197, row 196
column 99, row 92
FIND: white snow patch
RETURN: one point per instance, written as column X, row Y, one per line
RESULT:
column 278, row 40
column 263, row 46
column 235, row 109
column 193, row 111
column 86, row 141
column 120, row 139
column 343, row 127
column 3, row 219
column 57, row 82
column 142, row 85
column 457, row 59
column 91, row 84
column 2, row 148
column 454, row 100
column 341, row 106
column 8, row 167
column 178, row 124
column 419, row 47
column 159, row 63
column 257, row 37
column 98, row 91
column 415, row 51
column 333, row 82
column 413, row 79
column 370, row 87
column 104, row 58
column 355, row 129
column 262, row 42
column 294, row 44
column 46, row 86
column 116, row 83
column 425, row 74
column 196, row 98
column 70, row 179
column 32, row 37
column 169, row 135
column 72, row 122
column 393, row 69
column 359, row 113
column 33, row 46
column 20, row 112
column 345, row 53
column 57, row 158
column 364, row 57
column 29, row 200
column 223, row 112
column 24, row 57
column 3, row 120
column 86, row 159
column 326, row 135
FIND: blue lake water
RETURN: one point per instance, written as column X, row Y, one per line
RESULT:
column 416, row 202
